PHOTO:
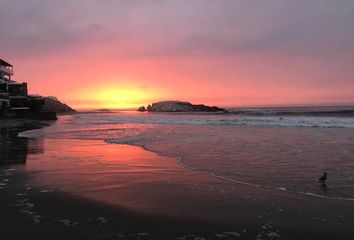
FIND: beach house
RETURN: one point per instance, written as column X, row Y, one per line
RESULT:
column 13, row 95
column 15, row 102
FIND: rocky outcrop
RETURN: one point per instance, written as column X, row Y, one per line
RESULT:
column 178, row 106
column 52, row 104
column 142, row 109
column 103, row 110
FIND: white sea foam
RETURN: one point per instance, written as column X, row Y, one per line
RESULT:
column 326, row 197
column 85, row 124
column 229, row 119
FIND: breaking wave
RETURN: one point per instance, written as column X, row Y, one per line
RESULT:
column 227, row 119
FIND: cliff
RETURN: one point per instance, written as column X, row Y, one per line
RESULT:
column 178, row 106
column 52, row 104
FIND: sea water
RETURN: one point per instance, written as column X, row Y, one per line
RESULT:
column 286, row 149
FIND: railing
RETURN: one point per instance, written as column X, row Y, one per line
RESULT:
column 8, row 70
column 4, row 95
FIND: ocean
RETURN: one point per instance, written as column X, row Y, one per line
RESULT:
column 286, row 149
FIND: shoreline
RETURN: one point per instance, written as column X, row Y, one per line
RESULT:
column 23, row 205
column 196, row 170
column 244, row 213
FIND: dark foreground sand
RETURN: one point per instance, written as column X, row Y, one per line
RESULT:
column 164, row 202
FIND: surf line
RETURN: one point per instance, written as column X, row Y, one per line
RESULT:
column 181, row 163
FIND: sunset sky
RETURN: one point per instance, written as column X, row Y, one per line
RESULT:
column 127, row 53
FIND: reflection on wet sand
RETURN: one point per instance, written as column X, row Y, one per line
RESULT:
column 117, row 177
column 14, row 150
column 115, row 174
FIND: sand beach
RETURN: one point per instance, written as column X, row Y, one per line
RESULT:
column 89, row 189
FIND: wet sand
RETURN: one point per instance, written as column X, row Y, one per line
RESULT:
column 85, row 189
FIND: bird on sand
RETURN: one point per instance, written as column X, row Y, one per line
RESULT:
column 323, row 178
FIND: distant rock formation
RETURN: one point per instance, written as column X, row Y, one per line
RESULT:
column 178, row 106
column 52, row 104
column 103, row 110
column 142, row 109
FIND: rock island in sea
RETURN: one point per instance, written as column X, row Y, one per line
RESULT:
column 179, row 106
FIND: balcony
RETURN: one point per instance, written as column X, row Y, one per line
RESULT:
column 4, row 96
column 17, row 89
column 7, row 70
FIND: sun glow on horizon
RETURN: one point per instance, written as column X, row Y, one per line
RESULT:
column 112, row 97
